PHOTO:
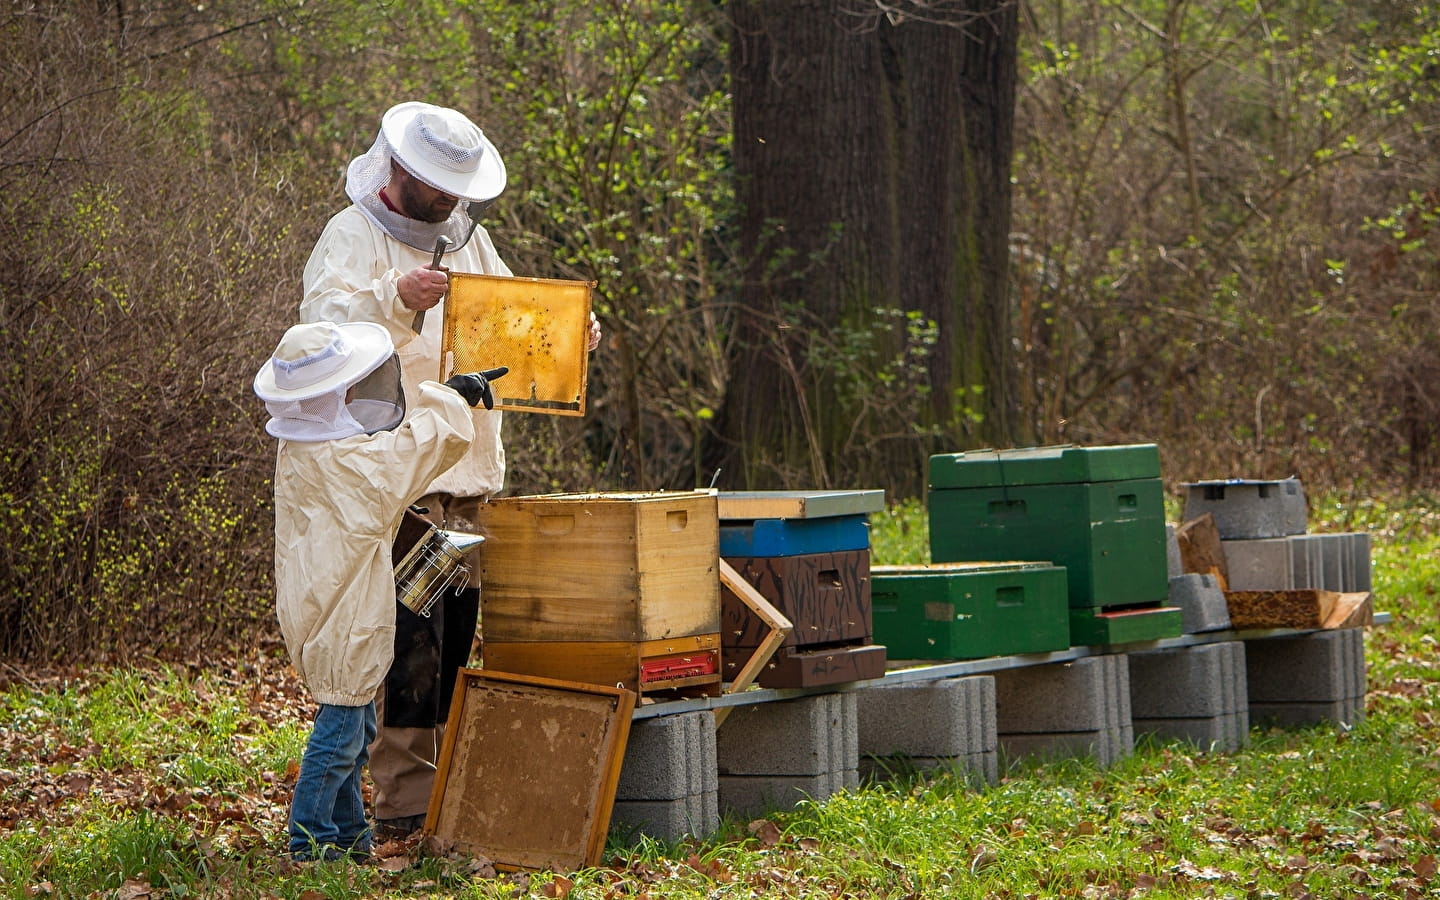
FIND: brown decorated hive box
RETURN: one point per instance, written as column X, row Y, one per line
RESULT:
column 808, row 554
column 603, row 588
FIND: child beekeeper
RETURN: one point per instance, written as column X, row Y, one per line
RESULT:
column 350, row 461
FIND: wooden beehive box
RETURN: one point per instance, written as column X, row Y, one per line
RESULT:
column 970, row 610
column 826, row 596
column 606, row 567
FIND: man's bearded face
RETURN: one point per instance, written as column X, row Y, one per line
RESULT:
column 419, row 200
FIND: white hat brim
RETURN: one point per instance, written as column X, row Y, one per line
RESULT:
column 485, row 183
column 370, row 345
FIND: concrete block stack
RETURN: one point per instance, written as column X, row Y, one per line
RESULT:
column 1307, row 679
column 1196, row 693
column 773, row 755
column 668, row 785
column 1264, row 533
column 923, row 725
column 1078, row 708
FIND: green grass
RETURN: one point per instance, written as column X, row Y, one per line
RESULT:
column 171, row 782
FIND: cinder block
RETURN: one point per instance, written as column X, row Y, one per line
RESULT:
column 1260, row 565
column 668, row 820
column 1321, row 561
column 1329, row 562
column 1247, row 510
column 748, row 796
column 1201, row 681
column 669, row 758
column 814, row 735
column 1174, row 563
column 1319, row 667
column 1306, row 562
column 1201, row 602
column 976, row 769
column 1088, row 694
column 1222, row 734
column 949, row 717
column 1079, row 708
column 1337, row 562
column 1348, row 711
column 1360, row 561
column 1105, row 746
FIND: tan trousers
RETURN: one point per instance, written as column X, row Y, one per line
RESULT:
column 402, row 766
column 402, row 760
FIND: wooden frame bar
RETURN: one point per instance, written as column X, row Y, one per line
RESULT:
column 779, row 626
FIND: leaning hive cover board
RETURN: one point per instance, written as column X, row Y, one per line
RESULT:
column 539, row 327
column 529, row 768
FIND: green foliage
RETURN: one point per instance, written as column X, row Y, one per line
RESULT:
column 900, row 534
column 617, row 136
column 133, row 466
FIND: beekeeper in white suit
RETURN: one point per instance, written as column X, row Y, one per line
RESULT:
column 373, row 263
column 349, row 463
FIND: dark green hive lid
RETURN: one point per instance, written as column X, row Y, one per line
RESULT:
column 1059, row 464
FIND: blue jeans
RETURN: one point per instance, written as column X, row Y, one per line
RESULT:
column 327, row 810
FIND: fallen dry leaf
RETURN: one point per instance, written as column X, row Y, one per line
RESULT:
column 765, row 831
column 1424, row 867
column 395, row 863
column 711, row 869
column 981, row 857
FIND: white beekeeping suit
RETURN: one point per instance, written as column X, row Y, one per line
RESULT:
column 342, row 485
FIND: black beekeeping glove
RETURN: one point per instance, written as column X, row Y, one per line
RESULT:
column 475, row 386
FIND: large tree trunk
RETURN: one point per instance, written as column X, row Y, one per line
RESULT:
column 873, row 168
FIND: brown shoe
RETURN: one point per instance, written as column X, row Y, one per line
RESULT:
column 399, row 827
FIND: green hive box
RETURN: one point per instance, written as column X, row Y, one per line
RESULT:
column 1097, row 511
column 969, row 610
column 1091, row 627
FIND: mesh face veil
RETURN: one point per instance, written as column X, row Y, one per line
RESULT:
column 364, row 179
column 439, row 147
column 378, row 402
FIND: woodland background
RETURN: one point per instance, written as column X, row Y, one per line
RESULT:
column 1219, row 241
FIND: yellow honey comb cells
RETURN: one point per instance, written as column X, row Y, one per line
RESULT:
column 539, row 327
